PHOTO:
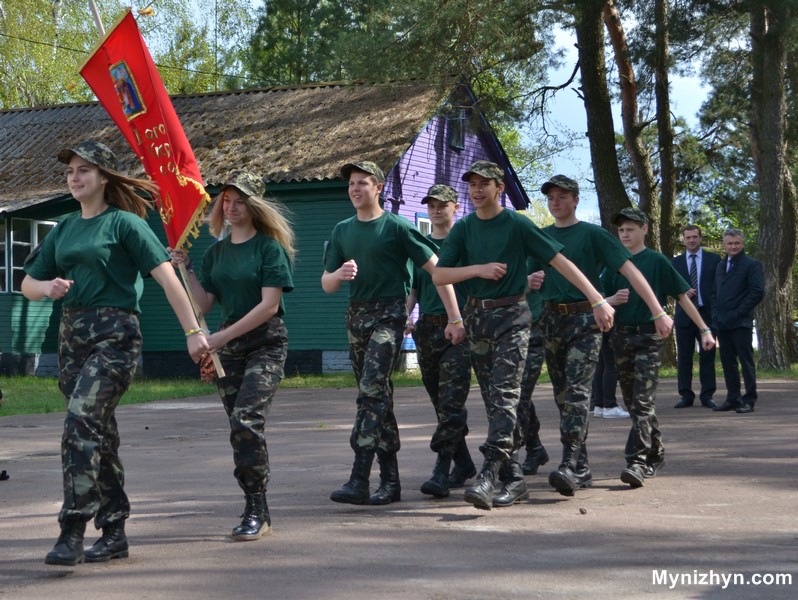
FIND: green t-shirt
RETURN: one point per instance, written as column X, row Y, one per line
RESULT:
column 591, row 248
column 106, row 256
column 236, row 273
column 429, row 301
column 507, row 238
column 382, row 249
column 661, row 276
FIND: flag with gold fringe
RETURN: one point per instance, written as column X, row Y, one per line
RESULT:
column 123, row 76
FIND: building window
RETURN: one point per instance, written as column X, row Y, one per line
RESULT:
column 3, row 263
column 456, row 129
column 25, row 236
column 423, row 223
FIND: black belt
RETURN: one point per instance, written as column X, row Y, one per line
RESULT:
column 495, row 302
column 570, row 308
column 435, row 319
column 644, row 328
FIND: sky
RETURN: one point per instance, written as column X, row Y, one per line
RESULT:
column 568, row 111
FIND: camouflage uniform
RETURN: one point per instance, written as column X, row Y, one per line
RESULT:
column 446, row 373
column 375, row 330
column 98, row 352
column 638, row 356
column 498, row 339
column 572, row 344
column 253, row 364
column 528, row 424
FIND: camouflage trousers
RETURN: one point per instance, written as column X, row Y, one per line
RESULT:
column 638, row 356
column 572, row 344
column 98, row 350
column 253, row 365
column 446, row 373
column 527, row 429
column 498, row 339
column 375, row 331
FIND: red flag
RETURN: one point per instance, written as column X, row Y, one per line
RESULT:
column 124, row 78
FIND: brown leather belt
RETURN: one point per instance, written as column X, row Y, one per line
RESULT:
column 571, row 308
column 495, row 302
column 435, row 319
column 644, row 328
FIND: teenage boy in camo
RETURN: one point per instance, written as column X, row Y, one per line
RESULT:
column 487, row 251
column 445, row 367
column 638, row 346
column 371, row 251
column 571, row 338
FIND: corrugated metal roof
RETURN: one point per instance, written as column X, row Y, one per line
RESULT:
column 286, row 134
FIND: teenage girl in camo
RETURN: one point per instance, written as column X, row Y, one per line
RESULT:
column 94, row 261
column 247, row 272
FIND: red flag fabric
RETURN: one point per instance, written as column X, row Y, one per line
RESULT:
column 125, row 80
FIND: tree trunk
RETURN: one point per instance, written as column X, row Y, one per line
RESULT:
column 667, row 198
column 777, row 219
column 632, row 128
column 612, row 196
column 667, row 228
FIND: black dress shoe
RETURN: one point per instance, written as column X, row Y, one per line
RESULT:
column 709, row 404
column 726, row 406
column 683, row 403
column 744, row 409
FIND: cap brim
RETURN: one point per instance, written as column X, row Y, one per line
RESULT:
column 66, row 155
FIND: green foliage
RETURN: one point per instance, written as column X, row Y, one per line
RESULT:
column 195, row 43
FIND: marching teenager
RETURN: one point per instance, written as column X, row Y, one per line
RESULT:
column 247, row 272
column 94, row 261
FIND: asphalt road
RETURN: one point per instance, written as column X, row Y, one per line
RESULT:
column 724, row 505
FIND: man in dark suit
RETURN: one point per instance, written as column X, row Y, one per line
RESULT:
column 739, row 287
column 697, row 266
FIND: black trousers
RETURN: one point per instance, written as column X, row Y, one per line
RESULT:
column 686, row 338
column 736, row 345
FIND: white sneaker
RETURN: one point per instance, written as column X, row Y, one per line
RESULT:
column 598, row 411
column 615, row 413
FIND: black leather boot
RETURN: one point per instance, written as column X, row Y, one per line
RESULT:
column 584, row 477
column 514, row 489
column 536, row 456
column 438, row 484
column 112, row 544
column 464, row 468
column 569, row 477
column 356, row 490
column 390, row 489
column 68, row 550
column 255, row 521
column 481, row 493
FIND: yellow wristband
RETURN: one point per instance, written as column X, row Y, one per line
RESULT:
column 660, row 315
column 191, row 332
column 706, row 332
column 599, row 303
column 456, row 321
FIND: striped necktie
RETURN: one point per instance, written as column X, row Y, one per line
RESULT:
column 694, row 277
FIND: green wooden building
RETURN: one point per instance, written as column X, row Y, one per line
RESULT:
column 297, row 138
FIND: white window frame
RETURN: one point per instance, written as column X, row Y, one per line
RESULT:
column 10, row 267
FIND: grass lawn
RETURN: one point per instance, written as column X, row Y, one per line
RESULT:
column 35, row 395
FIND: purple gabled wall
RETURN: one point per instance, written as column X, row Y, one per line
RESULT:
column 431, row 160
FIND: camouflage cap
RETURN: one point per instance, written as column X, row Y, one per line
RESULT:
column 630, row 214
column 486, row 169
column 561, row 181
column 248, row 183
column 364, row 165
column 441, row 192
column 93, row 152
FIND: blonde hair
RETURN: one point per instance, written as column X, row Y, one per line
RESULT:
column 121, row 192
column 268, row 217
